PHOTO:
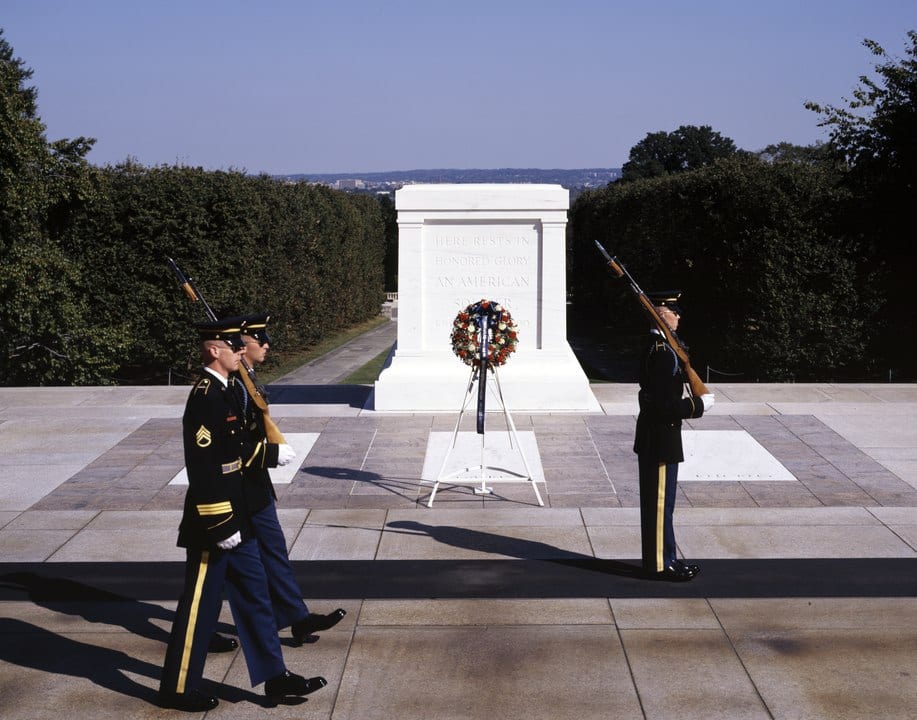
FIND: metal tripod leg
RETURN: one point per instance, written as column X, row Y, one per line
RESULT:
column 514, row 435
column 442, row 467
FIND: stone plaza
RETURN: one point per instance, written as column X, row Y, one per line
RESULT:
column 483, row 606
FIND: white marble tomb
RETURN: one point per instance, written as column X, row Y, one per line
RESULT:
column 458, row 244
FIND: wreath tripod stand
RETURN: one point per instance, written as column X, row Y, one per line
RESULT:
column 484, row 314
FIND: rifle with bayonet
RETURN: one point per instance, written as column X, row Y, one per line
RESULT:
column 695, row 384
column 255, row 391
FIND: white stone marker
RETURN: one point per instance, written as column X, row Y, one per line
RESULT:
column 458, row 244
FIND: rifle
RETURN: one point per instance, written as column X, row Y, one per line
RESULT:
column 255, row 391
column 695, row 384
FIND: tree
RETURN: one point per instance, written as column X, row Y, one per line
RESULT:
column 817, row 154
column 23, row 151
column 687, row 148
column 877, row 131
column 44, row 337
column 876, row 134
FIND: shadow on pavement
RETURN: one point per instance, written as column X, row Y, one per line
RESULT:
column 354, row 396
column 405, row 488
column 514, row 547
column 70, row 597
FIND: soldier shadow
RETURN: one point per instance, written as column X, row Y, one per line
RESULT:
column 41, row 649
column 519, row 548
column 70, row 597
column 405, row 488
column 46, row 651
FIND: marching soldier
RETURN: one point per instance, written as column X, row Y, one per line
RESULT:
column 289, row 608
column 658, row 443
column 216, row 532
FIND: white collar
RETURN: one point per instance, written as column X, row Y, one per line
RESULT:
column 217, row 375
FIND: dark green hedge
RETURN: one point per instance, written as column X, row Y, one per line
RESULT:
column 772, row 286
column 311, row 256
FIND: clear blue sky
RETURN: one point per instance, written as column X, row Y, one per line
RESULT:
column 287, row 86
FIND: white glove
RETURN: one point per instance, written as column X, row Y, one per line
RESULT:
column 230, row 542
column 707, row 399
column 285, row 453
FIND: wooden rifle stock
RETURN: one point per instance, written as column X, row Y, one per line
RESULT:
column 248, row 377
column 270, row 427
column 695, row 384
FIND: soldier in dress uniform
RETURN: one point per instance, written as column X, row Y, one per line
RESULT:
column 215, row 531
column 658, row 443
column 290, row 610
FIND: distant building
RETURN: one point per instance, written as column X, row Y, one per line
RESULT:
column 350, row 184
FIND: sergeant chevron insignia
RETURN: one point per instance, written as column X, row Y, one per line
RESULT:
column 203, row 437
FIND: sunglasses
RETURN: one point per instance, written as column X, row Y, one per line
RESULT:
column 261, row 338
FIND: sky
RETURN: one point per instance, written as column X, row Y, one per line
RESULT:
column 350, row 86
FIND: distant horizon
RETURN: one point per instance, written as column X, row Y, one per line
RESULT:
column 455, row 169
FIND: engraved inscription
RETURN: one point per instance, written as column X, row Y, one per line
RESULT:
column 464, row 264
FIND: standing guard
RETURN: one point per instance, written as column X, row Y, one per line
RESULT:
column 658, row 442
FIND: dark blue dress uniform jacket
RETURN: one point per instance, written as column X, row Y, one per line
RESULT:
column 216, row 448
column 662, row 407
column 259, row 490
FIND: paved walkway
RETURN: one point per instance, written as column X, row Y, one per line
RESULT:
column 336, row 365
column 482, row 606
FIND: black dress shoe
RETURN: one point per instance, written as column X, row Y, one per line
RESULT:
column 221, row 644
column 191, row 701
column 290, row 684
column 693, row 569
column 673, row 573
column 315, row 622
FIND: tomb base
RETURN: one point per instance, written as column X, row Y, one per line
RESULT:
column 541, row 382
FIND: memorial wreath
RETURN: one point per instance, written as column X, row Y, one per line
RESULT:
column 466, row 333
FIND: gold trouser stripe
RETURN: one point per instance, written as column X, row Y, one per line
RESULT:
column 192, row 621
column 660, row 517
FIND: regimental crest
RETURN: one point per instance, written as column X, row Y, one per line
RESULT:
column 203, row 437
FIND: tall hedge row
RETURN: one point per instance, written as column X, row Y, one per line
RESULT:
column 772, row 285
column 311, row 256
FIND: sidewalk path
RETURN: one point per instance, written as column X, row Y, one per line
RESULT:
column 336, row 365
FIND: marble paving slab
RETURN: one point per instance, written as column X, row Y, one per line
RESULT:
column 728, row 455
column 502, row 457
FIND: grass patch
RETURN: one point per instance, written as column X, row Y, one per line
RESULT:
column 287, row 362
column 369, row 373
